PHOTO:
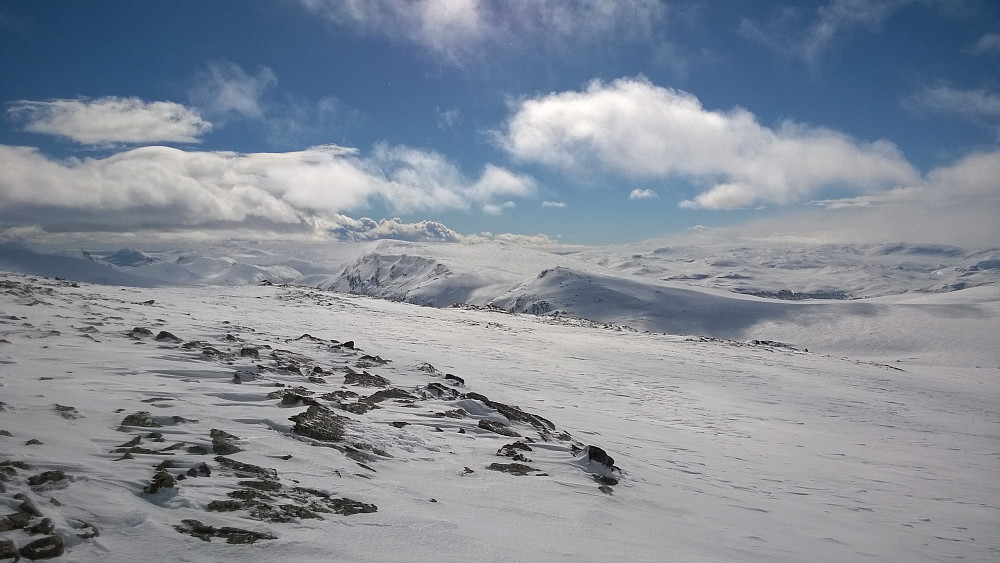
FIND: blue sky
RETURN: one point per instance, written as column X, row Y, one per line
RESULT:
column 583, row 121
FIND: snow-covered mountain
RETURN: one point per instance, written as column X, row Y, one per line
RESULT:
column 286, row 423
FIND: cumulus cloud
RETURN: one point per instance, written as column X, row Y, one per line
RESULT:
column 226, row 89
column 789, row 34
column 161, row 186
column 453, row 30
column 365, row 229
column 634, row 128
column 111, row 120
column 555, row 204
column 643, row 194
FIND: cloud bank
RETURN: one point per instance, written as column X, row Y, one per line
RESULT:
column 111, row 120
column 633, row 128
column 158, row 186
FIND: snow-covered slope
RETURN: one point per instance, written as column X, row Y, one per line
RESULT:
column 264, row 399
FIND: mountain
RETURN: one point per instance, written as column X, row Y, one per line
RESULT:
column 288, row 423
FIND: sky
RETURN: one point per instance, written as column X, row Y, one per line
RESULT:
column 532, row 121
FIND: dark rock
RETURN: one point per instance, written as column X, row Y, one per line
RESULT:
column 356, row 408
column 141, row 418
column 365, row 379
column 224, row 506
column 33, row 442
column 249, row 353
column 454, row 413
column 224, row 443
column 139, row 332
column 600, row 456
column 513, row 413
column 605, row 480
column 15, row 521
column 28, row 507
column 155, row 436
column 349, row 345
column 232, row 535
column 246, row 470
column 512, row 468
column 319, row 423
column 45, row 548
column 399, row 424
column 166, row 336
column 197, row 450
column 43, row 527
column 454, row 378
column 339, row 395
column 514, row 450
column 9, row 551
column 6, row 433
column 347, row 507
column 46, row 477
column 498, row 427
column 69, row 413
column 467, row 471
column 292, row 398
column 262, row 485
column 442, row 391
column 385, row 394
column 161, row 480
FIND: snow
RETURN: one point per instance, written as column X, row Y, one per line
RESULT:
column 880, row 442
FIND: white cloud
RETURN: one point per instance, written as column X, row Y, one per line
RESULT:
column 788, row 33
column 987, row 44
column 448, row 119
column 555, row 204
column 161, row 186
column 979, row 103
column 453, row 30
column 498, row 208
column 643, row 194
column 954, row 204
column 112, row 120
column 634, row 128
column 368, row 229
column 226, row 89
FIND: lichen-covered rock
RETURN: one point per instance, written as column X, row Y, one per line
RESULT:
column 498, row 427
column 365, row 379
column 142, row 419
column 161, row 480
column 319, row 423
column 518, row 469
column 224, row 443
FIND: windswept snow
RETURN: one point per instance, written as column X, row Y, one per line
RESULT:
column 722, row 450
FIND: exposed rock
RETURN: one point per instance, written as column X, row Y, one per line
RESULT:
column 161, row 480
column 33, row 442
column 43, row 527
column 91, row 529
column 498, row 427
column 512, row 468
column 27, row 506
column 15, row 521
column 139, row 332
column 399, row 424
column 163, row 336
column 365, row 379
column 46, row 477
column 600, row 456
column 385, row 394
column 43, row 548
column 223, row 442
column 513, row 413
column 141, row 418
column 233, row 535
column 246, row 470
column 69, row 413
column 249, row 353
column 197, row 450
column 442, row 391
column 454, row 378
column 9, row 551
column 356, row 408
column 514, row 450
column 319, row 423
